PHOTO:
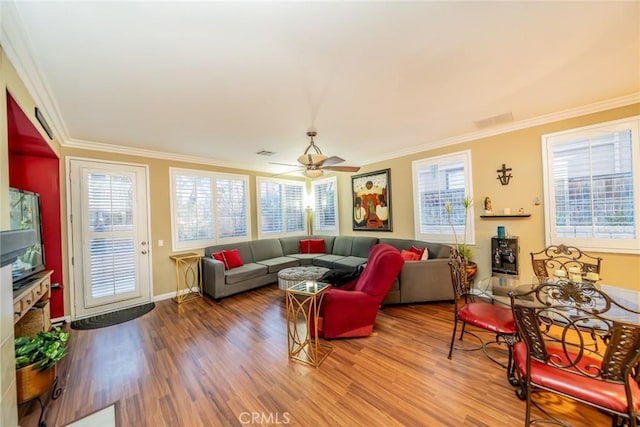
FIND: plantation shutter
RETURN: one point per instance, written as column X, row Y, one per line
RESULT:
column 281, row 207
column 294, row 208
column 270, row 207
column 438, row 182
column 193, row 202
column 231, row 207
column 593, row 186
column 110, row 234
column 325, row 206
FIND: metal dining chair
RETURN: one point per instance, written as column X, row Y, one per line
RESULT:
column 563, row 258
column 495, row 318
column 572, row 344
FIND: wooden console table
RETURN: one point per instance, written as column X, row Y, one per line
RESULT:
column 38, row 290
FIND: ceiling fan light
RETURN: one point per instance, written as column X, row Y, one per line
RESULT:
column 313, row 173
column 312, row 159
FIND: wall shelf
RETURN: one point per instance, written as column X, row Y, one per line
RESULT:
column 506, row 216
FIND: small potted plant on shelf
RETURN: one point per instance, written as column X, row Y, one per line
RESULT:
column 36, row 360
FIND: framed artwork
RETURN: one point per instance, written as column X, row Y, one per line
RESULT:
column 371, row 201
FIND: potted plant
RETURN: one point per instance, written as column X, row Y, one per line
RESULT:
column 463, row 249
column 36, row 360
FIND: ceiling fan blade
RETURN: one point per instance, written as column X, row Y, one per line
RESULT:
column 342, row 168
column 285, row 164
column 333, row 160
column 288, row 172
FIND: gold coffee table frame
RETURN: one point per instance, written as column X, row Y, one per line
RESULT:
column 188, row 277
column 303, row 305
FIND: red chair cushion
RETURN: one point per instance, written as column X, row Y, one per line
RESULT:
column 597, row 391
column 491, row 317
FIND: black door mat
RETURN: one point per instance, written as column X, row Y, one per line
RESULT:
column 113, row 318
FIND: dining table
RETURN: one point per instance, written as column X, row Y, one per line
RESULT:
column 496, row 289
column 616, row 303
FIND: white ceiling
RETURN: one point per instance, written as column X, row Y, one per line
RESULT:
column 219, row 81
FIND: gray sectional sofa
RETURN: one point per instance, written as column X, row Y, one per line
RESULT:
column 419, row 281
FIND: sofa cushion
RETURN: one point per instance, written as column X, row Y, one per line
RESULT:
column 305, row 259
column 361, row 246
column 266, row 249
column 327, row 260
column 312, row 246
column 342, row 245
column 276, row 264
column 351, row 262
column 246, row 272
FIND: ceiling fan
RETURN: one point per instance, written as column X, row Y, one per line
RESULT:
column 314, row 163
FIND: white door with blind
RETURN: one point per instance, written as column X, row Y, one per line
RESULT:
column 110, row 259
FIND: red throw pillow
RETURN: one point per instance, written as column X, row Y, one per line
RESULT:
column 312, row 246
column 232, row 259
column 220, row 257
column 305, row 246
column 418, row 251
column 316, row 246
column 409, row 255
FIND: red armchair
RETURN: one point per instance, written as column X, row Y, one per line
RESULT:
column 351, row 310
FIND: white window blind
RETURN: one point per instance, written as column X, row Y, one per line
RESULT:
column 591, row 186
column 280, row 207
column 436, row 182
column 231, row 207
column 111, row 244
column 325, row 206
column 208, row 208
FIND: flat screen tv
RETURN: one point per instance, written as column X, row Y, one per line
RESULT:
column 25, row 214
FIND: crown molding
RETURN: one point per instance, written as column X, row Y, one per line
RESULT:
column 570, row 113
column 154, row 154
column 15, row 42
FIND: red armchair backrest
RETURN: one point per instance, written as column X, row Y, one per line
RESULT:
column 383, row 266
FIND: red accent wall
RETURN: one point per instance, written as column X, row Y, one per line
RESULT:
column 33, row 166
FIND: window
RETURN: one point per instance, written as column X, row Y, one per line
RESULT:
column 591, row 187
column 208, row 208
column 325, row 206
column 436, row 182
column 280, row 207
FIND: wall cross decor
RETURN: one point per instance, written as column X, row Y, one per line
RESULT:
column 503, row 176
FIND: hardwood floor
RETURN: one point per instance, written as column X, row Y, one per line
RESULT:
column 222, row 364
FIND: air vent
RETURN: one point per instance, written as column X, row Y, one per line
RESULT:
column 495, row 120
column 266, row 153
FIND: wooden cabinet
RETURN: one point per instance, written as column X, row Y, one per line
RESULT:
column 35, row 294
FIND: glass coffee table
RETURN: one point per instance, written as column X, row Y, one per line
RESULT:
column 303, row 302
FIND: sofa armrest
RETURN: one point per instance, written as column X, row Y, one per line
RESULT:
column 428, row 280
column 213, row 277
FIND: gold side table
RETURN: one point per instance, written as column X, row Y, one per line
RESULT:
column 303, row 307
column 188, row 277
